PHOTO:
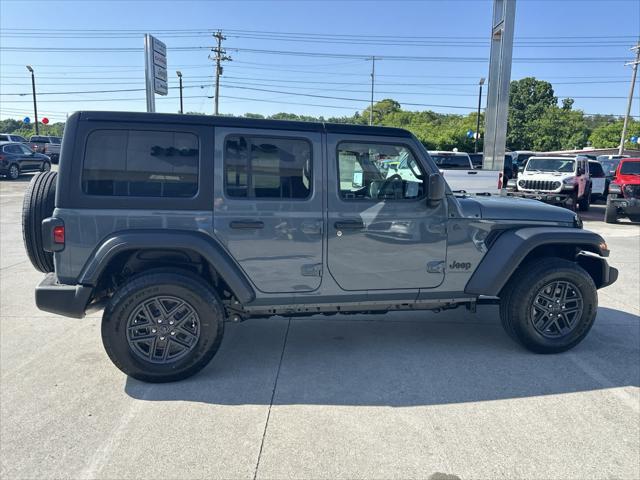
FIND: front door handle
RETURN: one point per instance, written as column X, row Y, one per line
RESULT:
column 470, row 172
column 349, row 225
column 246, row 224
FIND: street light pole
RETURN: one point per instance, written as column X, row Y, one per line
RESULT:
column 179, row 73
column 35, row 105
column 477, row 135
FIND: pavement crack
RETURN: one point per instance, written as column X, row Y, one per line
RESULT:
column 273, row 394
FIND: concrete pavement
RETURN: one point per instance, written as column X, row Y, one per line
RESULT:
column 402, row 395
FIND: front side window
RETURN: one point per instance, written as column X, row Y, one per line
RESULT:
column 141, row 163
column 378, row 172
column 267, row 167
column 26, row 150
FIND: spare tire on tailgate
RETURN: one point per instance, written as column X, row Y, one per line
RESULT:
column 38, row 204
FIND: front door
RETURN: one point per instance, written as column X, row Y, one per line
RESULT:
column 268, row 205
column 382, row 234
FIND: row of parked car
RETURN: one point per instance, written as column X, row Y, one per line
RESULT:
column 19, row 155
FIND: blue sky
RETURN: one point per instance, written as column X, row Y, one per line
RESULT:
column 452, row 35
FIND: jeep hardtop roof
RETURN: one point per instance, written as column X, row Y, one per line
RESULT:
column 237, row 122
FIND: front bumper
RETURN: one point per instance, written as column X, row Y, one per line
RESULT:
column 559, row 198
column 61, row 299
column 626, row 205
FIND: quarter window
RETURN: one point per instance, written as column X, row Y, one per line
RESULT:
column 378, row 172
column 267, row 167
column 141, row 163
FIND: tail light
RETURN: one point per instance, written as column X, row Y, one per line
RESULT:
column 58, row 234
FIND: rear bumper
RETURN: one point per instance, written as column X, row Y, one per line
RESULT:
column 61, row 299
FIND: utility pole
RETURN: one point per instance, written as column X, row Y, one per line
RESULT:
column 179, row 73
column 35, row 104
column 373, row 79
column 477, row 135
column 634, row 68
column 221, row 56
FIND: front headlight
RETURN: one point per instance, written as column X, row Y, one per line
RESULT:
column 569, row 181
column 521, row 183
column 577, row 221
column 615, row 188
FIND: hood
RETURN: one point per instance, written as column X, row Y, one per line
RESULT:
column 623, row 179
column 546, row 175
column 521, row 209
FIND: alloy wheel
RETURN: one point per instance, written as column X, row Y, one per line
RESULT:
column 556, row 309
column 163, row 329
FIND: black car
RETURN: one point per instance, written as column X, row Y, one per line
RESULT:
column 16, row 158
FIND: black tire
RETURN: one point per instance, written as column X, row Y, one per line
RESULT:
column 37, row 205
column 610, row 213
column 517, row 307
column 46, row 166
column 583, row 203
column 182, row 286
column 573, row 206
column 13, row 172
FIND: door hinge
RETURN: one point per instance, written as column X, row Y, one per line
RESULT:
column 312, row 270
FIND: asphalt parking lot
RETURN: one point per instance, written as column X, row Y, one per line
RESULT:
column 402, row 395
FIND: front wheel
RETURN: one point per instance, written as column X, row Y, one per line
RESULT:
column 46, row 166
column 14, row 172
column 549, row 306
column 610, row 213
column 163, row 326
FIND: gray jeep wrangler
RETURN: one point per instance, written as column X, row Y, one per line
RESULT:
column 176, row 223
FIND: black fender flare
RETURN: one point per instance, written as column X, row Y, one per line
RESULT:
column 197, row 242
column 509, row 250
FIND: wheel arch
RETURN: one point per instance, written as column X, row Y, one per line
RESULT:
column 156, row 248
column 514, row 248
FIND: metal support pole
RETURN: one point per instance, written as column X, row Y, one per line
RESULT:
column 148, row 72
column 373, row 79
column 180, row 80
column 475, row 142
column 35, row 103
column 634, row 67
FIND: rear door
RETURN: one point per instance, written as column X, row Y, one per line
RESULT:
column 268, row 205
column 381, row 232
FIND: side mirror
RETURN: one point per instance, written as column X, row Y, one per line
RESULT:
column 435, row 189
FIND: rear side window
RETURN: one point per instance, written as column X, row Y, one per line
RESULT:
column 141, row 163
column 12, row 149
column 267, row 167
column 4, row 138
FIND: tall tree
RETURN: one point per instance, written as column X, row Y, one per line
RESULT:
column 529, row 98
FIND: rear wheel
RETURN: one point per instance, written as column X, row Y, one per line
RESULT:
column 163, row 326
column 549, row 306
column 14, row 171
column 37, row 205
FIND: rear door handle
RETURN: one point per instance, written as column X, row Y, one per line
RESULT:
column 246, row 224
column 349, row 225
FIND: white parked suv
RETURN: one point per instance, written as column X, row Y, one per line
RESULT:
column 561, row 181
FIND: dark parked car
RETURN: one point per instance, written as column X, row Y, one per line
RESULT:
column 174, row 224
column 16, row 158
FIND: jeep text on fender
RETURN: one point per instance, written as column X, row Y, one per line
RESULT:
column 175, row 223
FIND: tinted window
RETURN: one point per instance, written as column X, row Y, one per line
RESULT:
column 451, row 162
column 39, row 139
column 595, row 170
column 56, row 140
column 141, row 163
column 18, row 138
column 629, row 168
column 267, row 167
column 13, row 149
column 378, row 172
column 4, row 138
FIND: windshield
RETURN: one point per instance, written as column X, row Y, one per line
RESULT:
column 551, row 164
column 55, row 140
column 451, row 161
column 630, row 168
column 610, row 166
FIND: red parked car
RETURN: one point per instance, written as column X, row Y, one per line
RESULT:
column 624, row 192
